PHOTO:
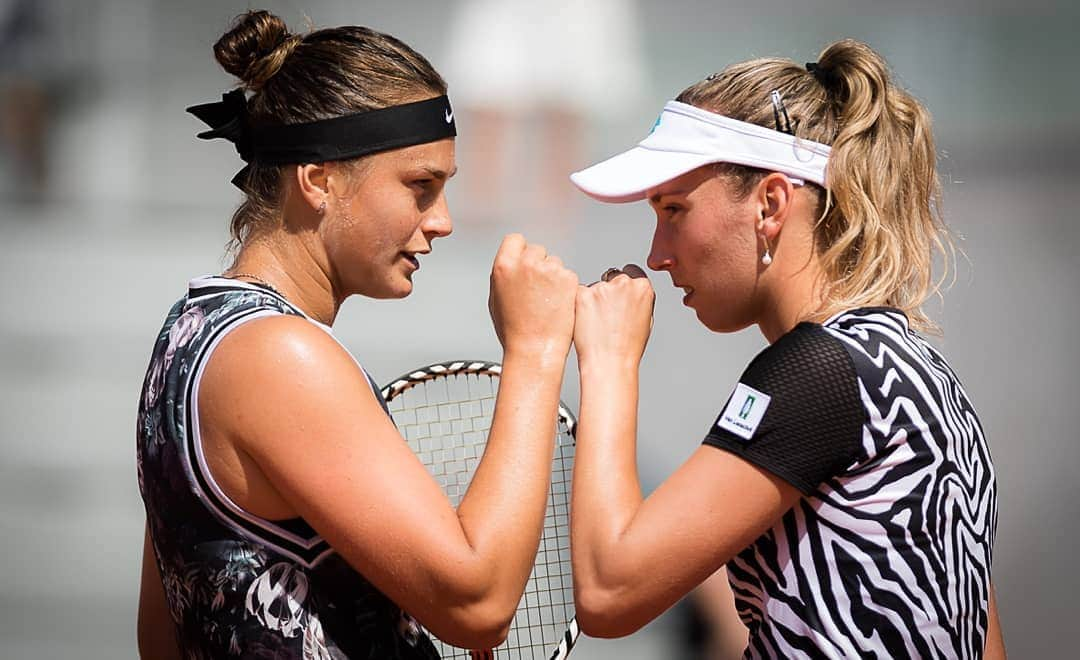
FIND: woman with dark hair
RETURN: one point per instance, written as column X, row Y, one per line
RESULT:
column 853, row 498
column 286, row 517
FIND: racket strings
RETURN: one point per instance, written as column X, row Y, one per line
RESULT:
column 446, row 421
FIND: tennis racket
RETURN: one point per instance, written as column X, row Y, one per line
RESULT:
column 444, row 412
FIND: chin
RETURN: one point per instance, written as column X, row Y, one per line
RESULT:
column 401, row 291
column 722, row 325
column 393, row 294
column 391, row 291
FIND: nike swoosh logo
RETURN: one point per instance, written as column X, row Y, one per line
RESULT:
column 449, row 115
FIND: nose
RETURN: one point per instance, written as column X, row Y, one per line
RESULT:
column 437, row 222
column 660, row 257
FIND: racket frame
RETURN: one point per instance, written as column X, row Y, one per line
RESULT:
column 485, row 368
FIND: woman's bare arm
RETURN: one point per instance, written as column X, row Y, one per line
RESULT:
column 713, row 506
column 634, row 558
column 726, row 636
column 156, row 630
column 293, row 401
column 995, row 640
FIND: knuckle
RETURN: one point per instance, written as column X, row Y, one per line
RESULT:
column 502, row 266
column 507, row 243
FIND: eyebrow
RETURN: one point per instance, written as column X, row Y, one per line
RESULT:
column 655, row 199
column 438, row 173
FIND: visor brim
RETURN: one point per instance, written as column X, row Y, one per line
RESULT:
column 627, row 177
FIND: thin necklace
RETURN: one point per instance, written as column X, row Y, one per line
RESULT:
column 257, row 279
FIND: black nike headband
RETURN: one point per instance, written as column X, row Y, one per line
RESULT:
column 337, row 138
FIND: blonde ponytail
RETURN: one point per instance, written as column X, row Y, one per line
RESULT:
column 880, row 221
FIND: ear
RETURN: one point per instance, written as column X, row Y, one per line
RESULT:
column 312, row 182
column 774, row 195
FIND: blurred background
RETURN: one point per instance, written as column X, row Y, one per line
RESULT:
column 108, row 205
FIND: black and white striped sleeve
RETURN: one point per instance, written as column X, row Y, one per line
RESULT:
column 796, row 410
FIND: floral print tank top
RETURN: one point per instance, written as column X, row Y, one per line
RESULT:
column 239, row 586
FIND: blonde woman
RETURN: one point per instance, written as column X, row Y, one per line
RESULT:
column 846, row 482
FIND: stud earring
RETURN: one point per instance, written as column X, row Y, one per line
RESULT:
column 322, row 207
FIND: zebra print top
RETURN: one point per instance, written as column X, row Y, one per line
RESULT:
column 888, row 552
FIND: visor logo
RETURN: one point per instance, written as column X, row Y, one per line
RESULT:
column 656, row 124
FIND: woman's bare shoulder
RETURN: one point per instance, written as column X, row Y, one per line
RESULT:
column 279, row 365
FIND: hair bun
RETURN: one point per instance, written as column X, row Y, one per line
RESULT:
column 255, row 47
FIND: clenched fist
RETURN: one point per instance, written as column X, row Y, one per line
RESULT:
column 532, row 298
column 613, row 317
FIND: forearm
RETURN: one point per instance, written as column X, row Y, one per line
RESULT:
column 995, row 640
column 727, row 636
column 606, row 490
column 502, row 513
column 156, row 632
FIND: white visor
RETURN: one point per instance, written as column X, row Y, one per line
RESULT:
column 685, row 138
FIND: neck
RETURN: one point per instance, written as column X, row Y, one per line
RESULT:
column 290, row 268
column 793, row 294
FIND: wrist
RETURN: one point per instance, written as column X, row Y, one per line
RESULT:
column 599, row 363
column 537, row 355
column 596, row 374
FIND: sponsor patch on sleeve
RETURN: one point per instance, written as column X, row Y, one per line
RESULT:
column 744, row 411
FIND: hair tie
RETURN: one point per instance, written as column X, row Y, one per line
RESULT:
column 827, row 78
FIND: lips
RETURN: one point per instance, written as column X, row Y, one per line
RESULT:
column 687, row 290
column 411, row 258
